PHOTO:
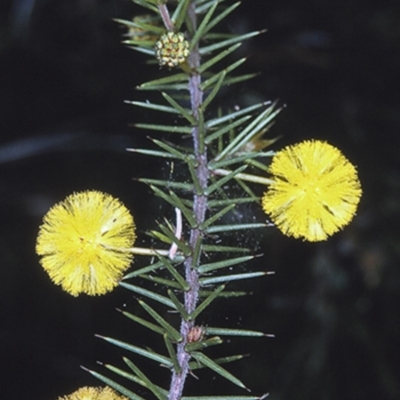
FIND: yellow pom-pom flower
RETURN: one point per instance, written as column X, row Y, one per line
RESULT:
column 94, row 393
column 315, row 190
column 84, row 242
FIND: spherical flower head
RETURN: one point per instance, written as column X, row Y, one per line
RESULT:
column 172, row 49
column 84, row 242
column 94, row 393
column 315, row 191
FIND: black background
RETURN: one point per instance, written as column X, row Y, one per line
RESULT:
column 333, row 306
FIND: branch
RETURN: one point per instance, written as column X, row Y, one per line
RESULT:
column 199, row 210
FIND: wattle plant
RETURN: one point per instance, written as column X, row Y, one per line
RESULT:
column 313, row 192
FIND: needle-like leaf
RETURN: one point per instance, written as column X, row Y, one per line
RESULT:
column 121, row 389
column 171, row 331
column 235, row 277
column 223, row 264
column 208, row 362
column 148, row 293
column 151, row 355
column 161, row 395
column 143, row 322
column 225, row 43
column 206, row 302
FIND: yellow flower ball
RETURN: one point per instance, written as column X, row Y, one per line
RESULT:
column 94, row 393
column 84, row 242
column 315, row 191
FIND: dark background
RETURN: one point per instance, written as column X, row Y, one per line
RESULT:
column 333, row 306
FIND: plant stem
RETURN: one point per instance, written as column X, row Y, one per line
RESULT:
column 165, row 17
column 199, row 211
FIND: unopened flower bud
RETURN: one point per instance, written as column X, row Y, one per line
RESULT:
column 172, row 49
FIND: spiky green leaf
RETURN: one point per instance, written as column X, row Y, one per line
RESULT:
column 172, row 354
column 223, row 264
column 169, row 184
column 226, row 294
column 151, row 355
column 182, row 246
column 154, row 153
column 239, row 159
column 135, row 378
column 217, row 216
column 166, row 87
column 250, row 131
column 121, row 389
column 203, row 5
column 236, row 114
column 225, row 43
column 223, row 14
column 145, row 4
column 179, row 14
column 260, row 165
column 202, row 28
column 175, row 201
column 156, row 83
column 144, row 50
column 144, row 270
column 222, row 360
column 214, row 78
column 186, row 212
column 200, row 308
column 179, row 306
column 220, row 182
column 161, row 395
column 226, row 128
column 147, row 293
column 235, row 277
column 233, row 332
column 179, row 109
column 162, row 281
column 197, row 251
column 193, row 173
column 170, row 330
column 173, row 271
column 214, row 91
column 244, row 177
column 234, row 227
column 239, row 200
column 143, row 322
column 220, row 56
column 210, row 248
column 247, row 190
column 208, row 362
column 236, row 79
column 152, row 106
column 165, row 128
column 125, row 374
column 170, row 148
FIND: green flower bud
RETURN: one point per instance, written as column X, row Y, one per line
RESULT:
column 172, row 49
